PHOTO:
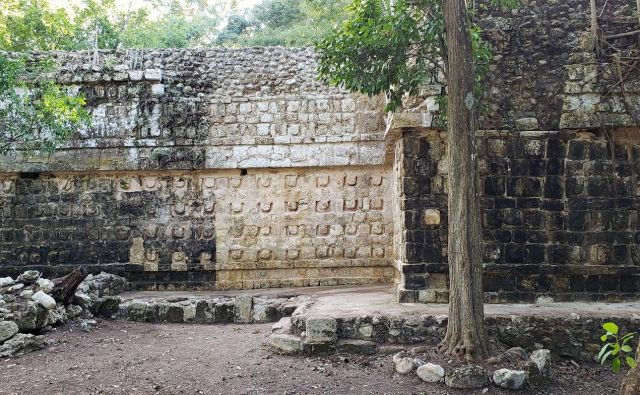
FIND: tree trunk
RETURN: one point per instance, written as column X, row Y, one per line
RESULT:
column 631, row 383
column 65, row 287
column 466, row 336
column 594, row 25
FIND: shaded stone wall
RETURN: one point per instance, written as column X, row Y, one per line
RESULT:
column 560, row 215
column 545, row 74
column 213, row 229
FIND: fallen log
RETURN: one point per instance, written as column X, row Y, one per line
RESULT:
column 64, row 288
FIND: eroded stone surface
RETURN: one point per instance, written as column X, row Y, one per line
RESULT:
column 21, row 344
column 542, row 359
column 431, row 373
column 7, row 329
column 467, row 377
column 510, row 379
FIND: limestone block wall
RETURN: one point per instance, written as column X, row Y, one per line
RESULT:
column 213, row 229
column 544, row 74
column 560, row 215
column 210, row 109
column 206, row 168
column 305, row 227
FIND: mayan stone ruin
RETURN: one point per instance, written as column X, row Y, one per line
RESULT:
column 227, row 169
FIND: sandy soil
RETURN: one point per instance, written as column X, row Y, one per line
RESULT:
column 133, row 358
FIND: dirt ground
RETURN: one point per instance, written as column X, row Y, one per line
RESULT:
column 133, row 358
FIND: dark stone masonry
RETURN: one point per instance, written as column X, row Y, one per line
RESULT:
column 560, row 216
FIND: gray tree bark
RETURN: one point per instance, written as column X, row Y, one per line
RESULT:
column 466, row 335
column 631, row 383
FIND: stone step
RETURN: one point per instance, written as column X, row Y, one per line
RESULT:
column 357, row 346
column 283, row 326
column 286, row 344
column 239, row 309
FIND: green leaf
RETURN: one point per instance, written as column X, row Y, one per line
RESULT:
column 611, row 327
column 604, row 358
column 616, row 349
column 603, row 350
column 628, row 337
column 626, row 348
column 615, row 365
column 631, row 362
column 604, row 337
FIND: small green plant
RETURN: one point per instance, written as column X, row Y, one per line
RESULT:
column 616, row 347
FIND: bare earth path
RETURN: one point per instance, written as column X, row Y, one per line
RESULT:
column 133, row 358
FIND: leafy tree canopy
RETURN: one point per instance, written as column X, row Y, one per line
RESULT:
column 39, row 115
column 393, row 47
column 283, row 22
column 36, row 25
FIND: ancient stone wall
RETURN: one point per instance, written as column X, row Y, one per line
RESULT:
column 261, row 229
column 225, row 168
column 214, row 169
column 210, row 109
column 560, row 215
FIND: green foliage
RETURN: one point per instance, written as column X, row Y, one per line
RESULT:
column 39, row 115
column 283, row 22
column 27, row 25
column 33, row 25
column 393, row 47
column 616, row 347
column 274, row 14
column 181, row 24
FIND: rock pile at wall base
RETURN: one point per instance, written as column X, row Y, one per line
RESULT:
column 28, row 311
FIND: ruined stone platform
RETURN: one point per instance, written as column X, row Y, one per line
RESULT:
column 361, row 319
column 365, row 317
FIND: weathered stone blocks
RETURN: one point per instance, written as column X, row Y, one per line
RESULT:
column 320, row 330
column 540, row 211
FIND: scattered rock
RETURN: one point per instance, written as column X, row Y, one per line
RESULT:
column 28, row 277
column 510, row 379
column 467, row 377
column 15, row 287
column 21, row 344
column 57, row 316
column 45, row 285
column 73, row 311
column 87, row 325
column 533, row 374
column 6, row 281
column 82, row 299
column 404, row 364
column 45, row 300
column 31, row 317
column 431, row 373
column 542, row 359
column 26, row 294
column 512, row 355
column 7, row 330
